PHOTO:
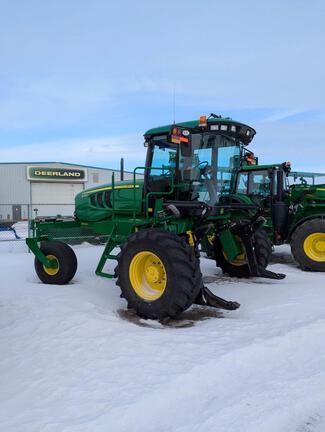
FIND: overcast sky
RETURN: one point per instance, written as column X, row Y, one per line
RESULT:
column 81, row 81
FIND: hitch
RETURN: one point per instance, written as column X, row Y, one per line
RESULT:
column 207, row 298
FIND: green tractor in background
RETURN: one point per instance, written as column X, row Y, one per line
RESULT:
column 293, row 207
column 159, row 220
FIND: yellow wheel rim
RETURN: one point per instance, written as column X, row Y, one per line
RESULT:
column 148, row 275
column 240, row 259
column 314, row 247
column 50, row 270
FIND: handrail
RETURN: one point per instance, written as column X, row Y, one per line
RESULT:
column 113, row 194
column 146, row 199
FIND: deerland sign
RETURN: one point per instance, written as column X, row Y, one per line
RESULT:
column 56, row 174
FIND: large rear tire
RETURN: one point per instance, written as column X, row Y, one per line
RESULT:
column 239, row 267
column 158, row 273
column 308, row 245
column 66, row 263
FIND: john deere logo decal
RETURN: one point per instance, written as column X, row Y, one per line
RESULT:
column 44, row 173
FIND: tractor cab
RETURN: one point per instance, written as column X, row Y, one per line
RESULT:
column 261, row 182
column 195, row 161
column 268, row 187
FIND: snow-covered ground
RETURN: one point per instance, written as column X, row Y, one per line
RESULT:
column 73, row 360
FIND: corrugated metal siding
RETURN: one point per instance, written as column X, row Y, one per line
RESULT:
column 14, row 186
column 54, row 198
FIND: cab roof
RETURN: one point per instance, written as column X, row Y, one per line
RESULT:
column 241, row 128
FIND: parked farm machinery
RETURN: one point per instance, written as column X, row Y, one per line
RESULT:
column 158, row 221
column 294, row 212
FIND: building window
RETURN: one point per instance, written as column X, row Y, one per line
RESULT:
column 95, row 178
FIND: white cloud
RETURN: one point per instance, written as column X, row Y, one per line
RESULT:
column 282, row 114
column 103, row 151
column 60, row 65
column 63, row 68
column 302, row 144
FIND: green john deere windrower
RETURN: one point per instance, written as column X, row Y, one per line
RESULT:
column 159, row 220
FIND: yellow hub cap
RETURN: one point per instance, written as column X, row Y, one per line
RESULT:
column 314, row 247
column 49, row 270
column 148, row 275
column 240, row 259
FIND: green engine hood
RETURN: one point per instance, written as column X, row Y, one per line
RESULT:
column 308, row 192
column 99, row 203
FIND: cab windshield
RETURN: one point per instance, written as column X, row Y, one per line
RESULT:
column 209, row 169
column 211, row 165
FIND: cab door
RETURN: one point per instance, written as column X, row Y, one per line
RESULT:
column 161, row 169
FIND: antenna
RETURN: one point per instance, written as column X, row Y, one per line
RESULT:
column 174, row 104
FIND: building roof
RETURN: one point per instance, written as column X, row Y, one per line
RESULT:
column 62, row 163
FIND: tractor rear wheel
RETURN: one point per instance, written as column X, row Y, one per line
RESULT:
column 239, row 266
column 158, row 273
column 65, row 259
column 308, row 245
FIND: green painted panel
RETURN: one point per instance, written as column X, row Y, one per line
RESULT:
column 100, row 203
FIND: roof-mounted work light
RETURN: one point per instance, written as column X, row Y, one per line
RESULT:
column 203, row 121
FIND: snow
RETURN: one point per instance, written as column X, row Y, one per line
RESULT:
column 21, row 228
column 74, row 360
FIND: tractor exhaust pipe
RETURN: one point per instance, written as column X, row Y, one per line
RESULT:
column 122, row 169
column 280, row 209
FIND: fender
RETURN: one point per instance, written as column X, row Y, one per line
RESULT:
column 301, row 221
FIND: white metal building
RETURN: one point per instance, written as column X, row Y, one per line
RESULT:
column 46, row 188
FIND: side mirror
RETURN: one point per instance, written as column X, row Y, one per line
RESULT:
column 186, row 149
column 182, row 138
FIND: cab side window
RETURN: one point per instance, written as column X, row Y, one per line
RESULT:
column 164, row 157
column 242, row 182
column 259, row 183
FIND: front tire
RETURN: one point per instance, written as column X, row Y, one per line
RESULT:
column 308, row 245
column 158, row 273
column 66, row 263
column 239, row 267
